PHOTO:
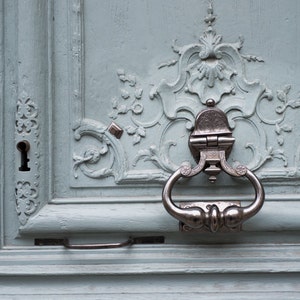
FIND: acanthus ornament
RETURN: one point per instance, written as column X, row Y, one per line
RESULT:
column 209, row 68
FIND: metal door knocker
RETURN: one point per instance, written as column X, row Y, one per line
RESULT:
column 210, row 144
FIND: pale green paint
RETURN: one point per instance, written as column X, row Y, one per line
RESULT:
column 36, row 40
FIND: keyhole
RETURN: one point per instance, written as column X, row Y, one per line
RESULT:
column 24, row 147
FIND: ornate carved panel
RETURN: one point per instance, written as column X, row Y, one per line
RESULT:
column 156, row 119
column 108, row 113
column 108, row 119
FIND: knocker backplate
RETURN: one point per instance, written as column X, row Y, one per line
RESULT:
column 222, row 205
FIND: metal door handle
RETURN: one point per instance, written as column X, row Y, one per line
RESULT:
column 210, row 143
column 131, row 241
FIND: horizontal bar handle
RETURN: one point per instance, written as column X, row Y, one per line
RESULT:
column 131, row 241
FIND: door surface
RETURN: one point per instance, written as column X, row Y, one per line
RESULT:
column 99, row 98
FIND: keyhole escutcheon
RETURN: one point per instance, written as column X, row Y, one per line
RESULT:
column 23, row 147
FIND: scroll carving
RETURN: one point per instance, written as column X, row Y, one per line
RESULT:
column 209, row 68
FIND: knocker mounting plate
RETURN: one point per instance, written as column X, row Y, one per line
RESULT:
column 211, row 143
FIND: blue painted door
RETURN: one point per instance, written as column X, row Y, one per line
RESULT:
column 104, row 95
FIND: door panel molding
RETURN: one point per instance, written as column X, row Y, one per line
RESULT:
column 219, row 72
column 177, row 259
column 53, row 213
column 35, row 64
column 33, row 103
column 2, row 114
column 64, row 219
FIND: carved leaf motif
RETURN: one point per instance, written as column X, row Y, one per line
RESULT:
column 287, row 88
column 287, row 128
column 141, row 131
column 169, row 63
column 130, row 130
column 126, row 78
column 253, row 58
column 114, row 103
column 279, row 154
column 158, row 156
column 125, row 95
column 294, row 104
column 277, row 128
column 281, row 96
column 122, row 109
column 138, row 93
column 136, row 139
column 208, row 68
column 113, row 114
column 137, row 132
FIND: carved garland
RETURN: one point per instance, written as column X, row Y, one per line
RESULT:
column 207, row 69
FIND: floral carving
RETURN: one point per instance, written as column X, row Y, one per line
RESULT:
column 137, row 132
column 209, row 68
column 27, row 183
column 282, row 95
column 26, row 117
column 26, row 200
column 129, row 101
